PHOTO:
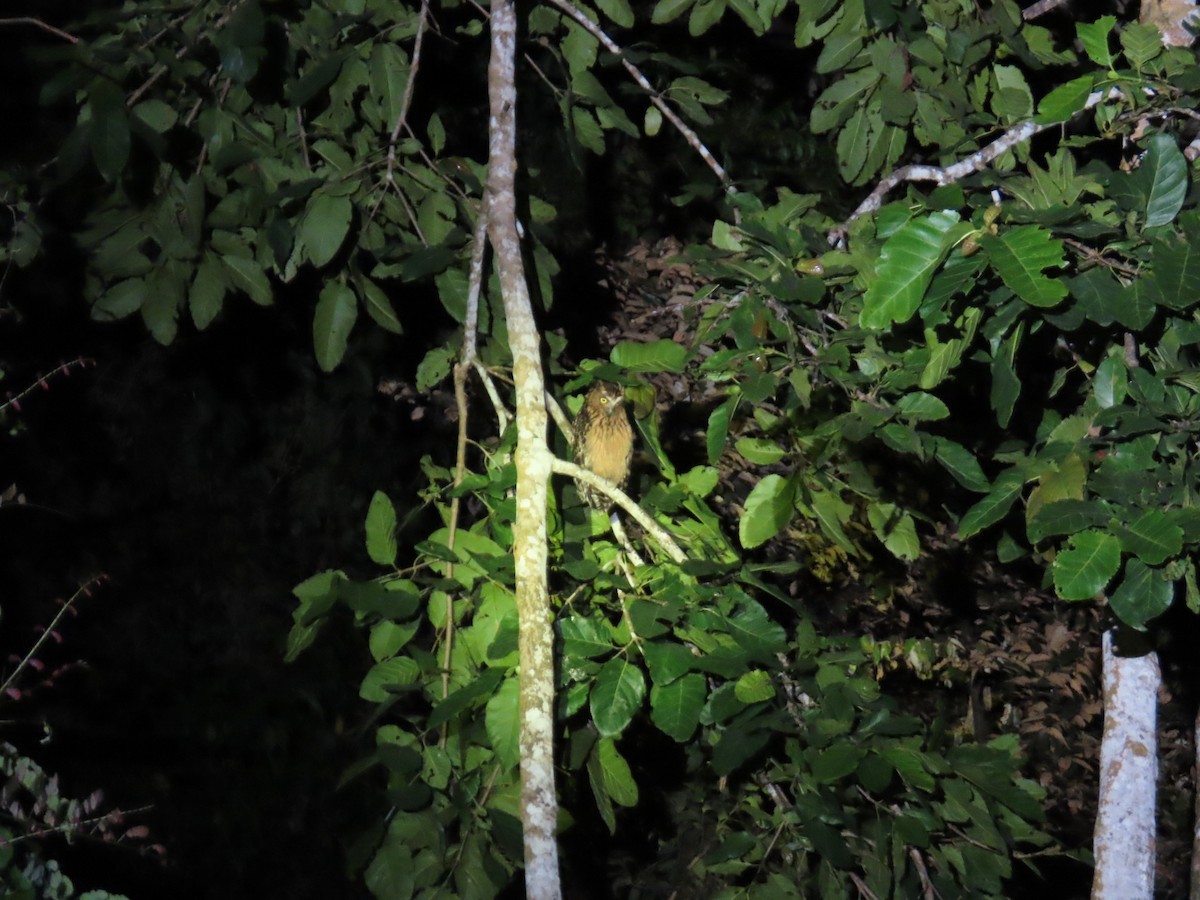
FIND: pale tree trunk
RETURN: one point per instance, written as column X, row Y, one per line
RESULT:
column 539, row 807
column 1125, row 821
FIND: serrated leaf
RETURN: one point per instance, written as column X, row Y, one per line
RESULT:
column 1019, row 255
column 325, row 226
column 675, row 708
column 1086, row 567
column 754, row 686
column 907, row 264
column 1094, row 38
column 1143, row 594
column 994, row 507
column 502, row 721
column 768, row 509
column 335, row 315
column 386, row 678
column 247, row 275
column 1152, row 538
column 122, row 299
column 381, row 530
column 616, row 696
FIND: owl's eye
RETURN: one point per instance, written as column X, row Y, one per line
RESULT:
column 603, row 399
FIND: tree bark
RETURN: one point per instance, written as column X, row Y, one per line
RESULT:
column 1126, row 822
column 539, row 807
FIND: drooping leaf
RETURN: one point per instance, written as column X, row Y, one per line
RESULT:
column 654, row 356
column 617, row 695
column 502, row 721
column 994, row 507
column 335, row 316
column 381, row 530
column 323, row 231
column 675, row 708
column 1163, row 176
column 768, row 509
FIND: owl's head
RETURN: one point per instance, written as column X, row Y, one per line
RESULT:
column 605, row 398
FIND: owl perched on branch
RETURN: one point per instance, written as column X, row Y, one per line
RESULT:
column 603, row 441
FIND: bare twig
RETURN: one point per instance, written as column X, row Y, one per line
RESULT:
column 51, row 629
column 161, row 69
column 1039, row 9
column 409, row 84
column 45, row 26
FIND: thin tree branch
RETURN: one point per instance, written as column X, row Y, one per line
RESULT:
column 655, row 97
column 942, row 175
column 45, row 26
column 623, row 500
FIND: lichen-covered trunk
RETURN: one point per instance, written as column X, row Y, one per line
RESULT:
column 539, row 807
column 1126, row 821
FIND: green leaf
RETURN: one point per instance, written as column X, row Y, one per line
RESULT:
column 326, row 223
column 387, row 677
column 434, row 367
column 1094, row 38
column 381, row 530
column 618, row 779
column 669, row 10
column 335, row 316
column 718, row 428
column 961, row 463
column 1019, row 255
column 994, row 507
column 754, row 686
column 922, row 407
column 1144, row 594
column 831, row 513
column 760, row 451
column 247, row 275
column 622, row 14
column 666, row 661
column 464, row 698
column 1064, row 101
column 909, row 259
column 1063, row 517
column 835, row 763
column 655, row 356
column 208, row 292
column 1163, row 174
column 502, row 721
column 110, row 138
column 675, row 708
column 122, row 299
column 895, row 529
column 768, row 509
column 1086, row 567
column 378, row 306
column 1153, row 538
column 616, row 696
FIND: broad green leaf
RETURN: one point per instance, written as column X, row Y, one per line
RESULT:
column 335, row 316
column 1110, row 384
column 618, row 779
column 994, row 507
column 754, row 686
column 705, row 14
column 675, row 708
column 961, row 463
column 622, row 14
column 160, row 312
column 669, row 10
column 1094, row 38
column 502, row 721
column 463, row 698
column 1163, row 174
column 381, row 530
column 922, row 407
column 852, row 143
column 1153, row 538
column 836, row 762
column 1064, row 101
column 1012, row 100
column 389, row 67
column 909, row 259
column 387, row 677
column 323, row 231
column 121, row 300
column 666, row 661
column 832, row 513
column 1064, row 517
column 434, row 367
column 616, row 696
column 109, row 130
column 1019, row 255
column 895, row 529
column 1086, row 567
column 1143, row 594
column 655, row 356
column 760, row 451
column 768, row 509
column 1006, row 386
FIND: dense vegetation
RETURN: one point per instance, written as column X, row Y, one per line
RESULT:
column 902, row 299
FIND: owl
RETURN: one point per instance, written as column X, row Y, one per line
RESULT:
column 603, row 441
